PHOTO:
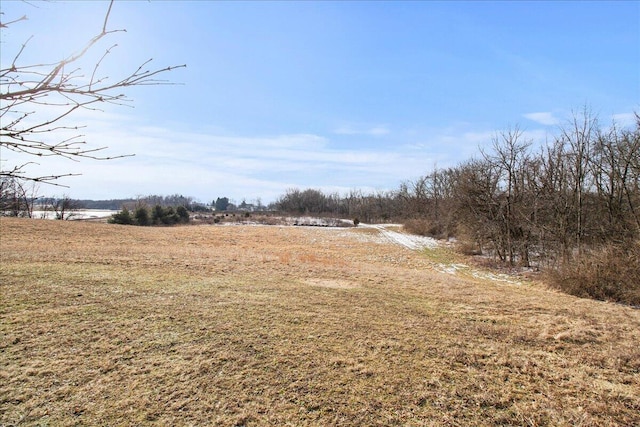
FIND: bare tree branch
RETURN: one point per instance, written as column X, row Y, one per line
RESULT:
column 37, row 100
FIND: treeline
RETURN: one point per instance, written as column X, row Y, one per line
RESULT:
column 570, row 206
column 21, row 198
column 546, row 205
column 382, row 206
column 152, row 200
column 113, row 204
column 173, row 201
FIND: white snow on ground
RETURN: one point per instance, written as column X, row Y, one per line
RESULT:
column 409, row 241
column 454, row 269
column 496, row 277
column 414, row 242
column 451, row 268
column 75, row 214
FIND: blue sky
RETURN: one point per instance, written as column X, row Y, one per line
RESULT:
column 329, row 95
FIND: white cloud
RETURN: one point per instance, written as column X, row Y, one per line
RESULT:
column 351, row 129
column 449, row 146
column 207, row 164
column 378, row 131
column 624, row 119
column 544, row 118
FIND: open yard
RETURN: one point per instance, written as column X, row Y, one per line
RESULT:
column 271, row 326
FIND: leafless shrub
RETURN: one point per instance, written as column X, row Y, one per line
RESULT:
column 425, row 227
column 611, row 273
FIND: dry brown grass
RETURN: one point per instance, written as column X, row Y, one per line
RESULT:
column 114, row 325
column 609, row 273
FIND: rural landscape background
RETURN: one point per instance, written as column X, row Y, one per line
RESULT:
column 320, row 213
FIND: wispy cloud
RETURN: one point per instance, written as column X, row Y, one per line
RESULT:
column 543, row 118
column 350, row 129
column 208, row 164
column 624, row 119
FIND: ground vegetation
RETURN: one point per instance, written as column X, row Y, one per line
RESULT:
column 307, row 326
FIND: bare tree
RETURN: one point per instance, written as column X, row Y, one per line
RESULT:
column 550, row 196
column 64, row 207
column 17, row 198
column 580, row 134
column 511, row 159
column 616, row 182
column 631, row 155
column 36, row 100
column 477, row 191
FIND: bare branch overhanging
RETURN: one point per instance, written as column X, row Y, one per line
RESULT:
column 26, row 89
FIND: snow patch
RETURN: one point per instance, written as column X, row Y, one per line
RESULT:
column 409, row 241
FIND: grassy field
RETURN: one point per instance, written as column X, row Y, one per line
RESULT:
column 273, row 326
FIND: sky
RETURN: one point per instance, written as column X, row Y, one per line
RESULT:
column 336, row 96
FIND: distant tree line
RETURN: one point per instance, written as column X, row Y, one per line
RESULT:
column 173, row 200
column 111, row 204
column 223, row 204
column 381, row 206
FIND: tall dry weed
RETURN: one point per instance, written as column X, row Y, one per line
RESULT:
column 610, row 273
column 429, row 228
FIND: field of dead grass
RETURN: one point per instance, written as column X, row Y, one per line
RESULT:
column 246, row 326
